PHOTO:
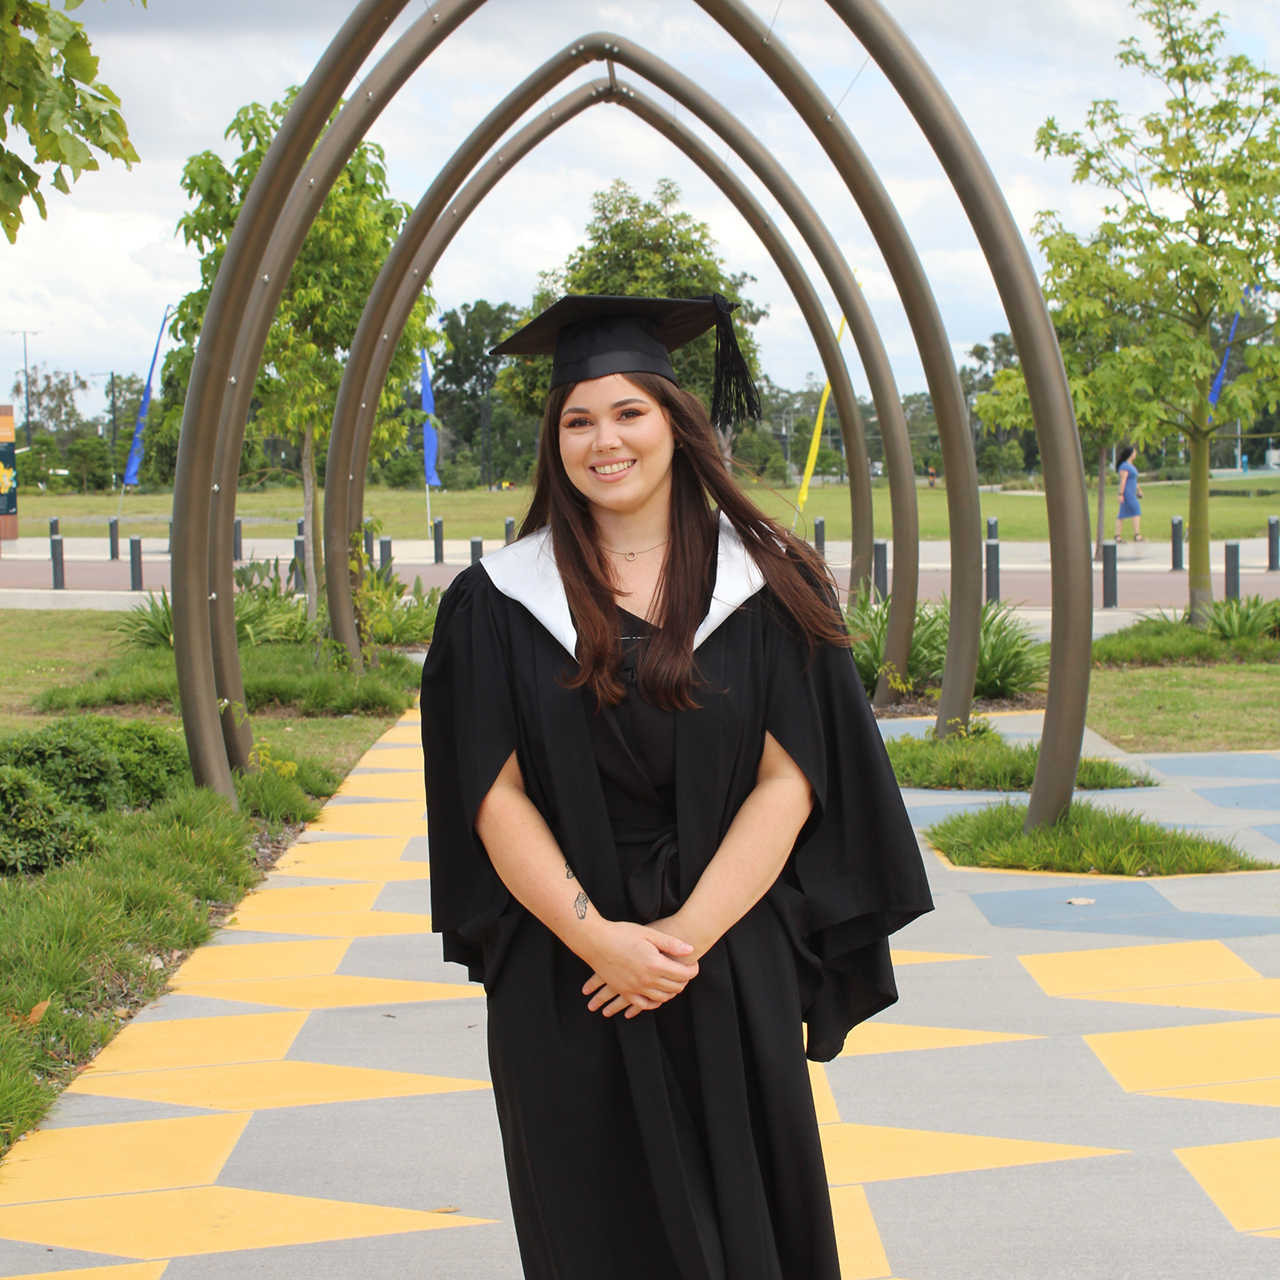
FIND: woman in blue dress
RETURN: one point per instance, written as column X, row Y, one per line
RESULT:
column 1130, row 507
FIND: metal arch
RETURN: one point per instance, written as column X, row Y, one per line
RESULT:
column 871, row 349
column 210, row 372
column 1070, row 652
column 509, row 153
column 866, row 336
column 263, row 206
column 377, row 91
column 963, row 506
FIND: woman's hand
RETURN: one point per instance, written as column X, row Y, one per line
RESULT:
column 636, row 967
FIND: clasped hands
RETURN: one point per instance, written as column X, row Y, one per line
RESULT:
column 637, row 966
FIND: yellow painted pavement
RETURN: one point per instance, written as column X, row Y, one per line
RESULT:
column 894, row 1037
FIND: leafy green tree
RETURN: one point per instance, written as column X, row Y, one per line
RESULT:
column 640, row 247
column 1192, row 225
column 89, row 461
column 52, row 397
column 315, row 324
column 36, row 464
column 49, row 91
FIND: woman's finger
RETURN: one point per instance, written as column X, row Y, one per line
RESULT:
column 669, row 943
column 601, row 997
column 593, row 983
column 616, row 1006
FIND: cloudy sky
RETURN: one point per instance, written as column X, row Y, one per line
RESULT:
column 94, row 279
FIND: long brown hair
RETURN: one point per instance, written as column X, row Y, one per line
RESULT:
column 795, row 574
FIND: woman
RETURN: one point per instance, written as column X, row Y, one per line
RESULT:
column 1130, row 492
column 664, row 831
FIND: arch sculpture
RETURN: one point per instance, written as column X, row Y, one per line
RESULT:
column 304, row 160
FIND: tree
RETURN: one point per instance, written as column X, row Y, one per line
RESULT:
column 89, row 461
column 1191, row 228
column 52, row 398
column 36, row 464
column 315, row 324
column 464, row 381
column 49, row 91
column 640, row 247
column 1099, row 334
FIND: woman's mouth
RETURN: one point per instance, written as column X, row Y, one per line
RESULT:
column 612, row 470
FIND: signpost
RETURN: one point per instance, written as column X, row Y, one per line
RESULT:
column 8, row 475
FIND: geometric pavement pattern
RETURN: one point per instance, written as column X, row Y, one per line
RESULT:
column 311, row 1098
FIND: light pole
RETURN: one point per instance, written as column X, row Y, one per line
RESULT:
column 26, row 375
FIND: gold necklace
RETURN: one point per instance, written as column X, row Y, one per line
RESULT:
column 631, row 555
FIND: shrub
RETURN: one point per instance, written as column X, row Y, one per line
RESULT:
column 1247, row 619
column 100, row 762
column 263, row 616
column 1166, row 640
column 1010, row 660
column 404, row 471
column 38, row 832
column 272, row 791
column 1085, row 839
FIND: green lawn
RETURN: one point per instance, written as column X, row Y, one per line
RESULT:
column 1225, row 707
column 475, row 512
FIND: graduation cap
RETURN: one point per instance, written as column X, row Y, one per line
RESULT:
column 592, row 335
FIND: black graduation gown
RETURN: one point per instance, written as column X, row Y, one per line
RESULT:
column 681, row 1145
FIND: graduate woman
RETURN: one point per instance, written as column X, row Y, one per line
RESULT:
column 664, row 831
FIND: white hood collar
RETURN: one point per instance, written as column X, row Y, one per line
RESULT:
column 526, row 572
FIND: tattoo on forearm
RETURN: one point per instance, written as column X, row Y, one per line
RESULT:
column 580, row 905
column 568, row 872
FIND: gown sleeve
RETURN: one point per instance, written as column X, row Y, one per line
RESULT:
column 857, row 860
column 469, row 730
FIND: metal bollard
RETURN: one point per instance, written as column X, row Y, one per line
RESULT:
column 1233, row 571
column 993, row 570
column 53, row 526
column 437, row 532
column 477, row 550
column 300, row 564
column 113, row 537
column 509, row 530
column 1176, row 533
column 820, row 536
column 993, row 528
column 384, row 553
column 1273, row 544
column 135, row 564
column 1110, row 595
column 368, row 543
column 237, row 541
column 880, row 567
column 55, row 554
column 302, row 527
column 169, row 549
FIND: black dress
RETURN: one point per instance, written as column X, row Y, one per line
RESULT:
column 681, row 1144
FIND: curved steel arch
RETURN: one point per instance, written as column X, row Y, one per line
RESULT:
column 867, row 338
column 1000, row 240
column 1071, row 640
column 305, row 199
column 509, row 153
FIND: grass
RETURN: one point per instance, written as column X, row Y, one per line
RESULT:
column 475, row 512
column 1227, row 707
column 276, row 677
column 984, row 761
column 96, row 938
column 1087, row 839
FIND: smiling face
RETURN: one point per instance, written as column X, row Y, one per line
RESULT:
column 616, row 444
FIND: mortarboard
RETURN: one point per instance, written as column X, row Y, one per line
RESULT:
column 593, row 335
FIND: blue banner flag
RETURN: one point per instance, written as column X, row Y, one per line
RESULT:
column 135, row 449
column 430, row 442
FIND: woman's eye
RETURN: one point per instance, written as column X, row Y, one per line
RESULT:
column 579, row 422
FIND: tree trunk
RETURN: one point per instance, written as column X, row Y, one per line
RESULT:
column 315, row 520
column 1198, row 575
column 309, row 526
column 1102, row 501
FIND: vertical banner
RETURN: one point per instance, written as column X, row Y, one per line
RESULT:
column 430, row 441
column 135, row 449
column 8, row 475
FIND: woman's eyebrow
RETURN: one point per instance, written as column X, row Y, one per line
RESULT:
column 617, row 404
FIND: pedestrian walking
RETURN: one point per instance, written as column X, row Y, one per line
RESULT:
column 664, row 831
column 1130, row 492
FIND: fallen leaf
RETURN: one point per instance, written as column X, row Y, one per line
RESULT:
column 448, row 1208
column 33, row 1018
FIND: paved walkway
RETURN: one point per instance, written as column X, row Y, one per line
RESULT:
column 1063, row 1090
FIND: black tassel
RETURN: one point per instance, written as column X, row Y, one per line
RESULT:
column 735, row 396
